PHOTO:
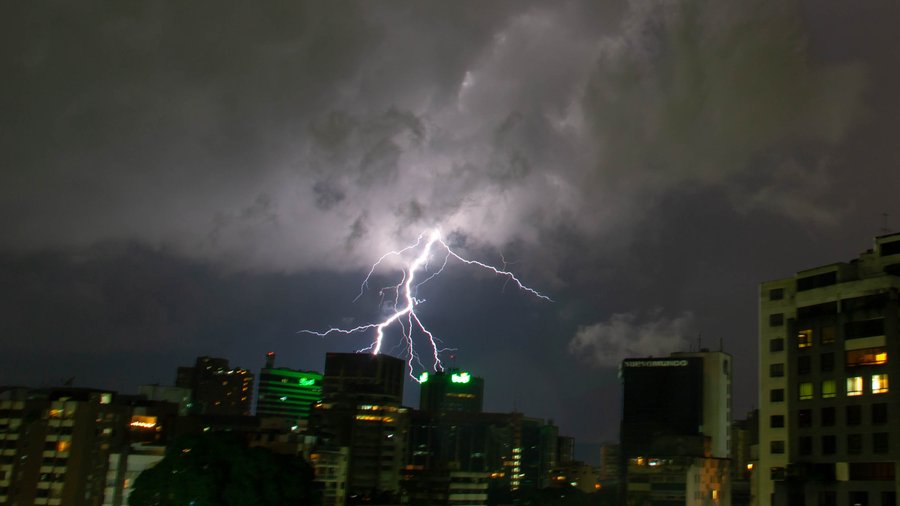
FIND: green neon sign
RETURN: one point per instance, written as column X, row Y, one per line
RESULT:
column 423, row 377
column 462, row 377
column 306, row 382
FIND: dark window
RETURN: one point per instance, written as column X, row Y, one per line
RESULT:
column 880, row 442
column 829, row 445
column 864, row 328
column 854, row 443
column 804, row 364
column 817, row 310
column 776, row 421
column 776, row 446
column 889, row 498
column 826, row 362
column 854, row 414
column 879, row 413
column 776, row 344
column 826, row 334
column 805, row 446
column 828, row 416
column 889, row 248
column 827, row 498
column 776, row 395
column 776, row 320
column 776, row 294
column 866, row 304
column 776, row 473
column 871, row 471
column 859, row 498
column 776, row 370
column 804, row 418
column 817, row 281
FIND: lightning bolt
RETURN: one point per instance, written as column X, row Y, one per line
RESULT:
column 405, row 301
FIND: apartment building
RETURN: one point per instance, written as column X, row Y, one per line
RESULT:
column 828, row 418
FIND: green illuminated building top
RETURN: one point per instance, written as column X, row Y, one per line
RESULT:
column 451, row 390
column 287, row 393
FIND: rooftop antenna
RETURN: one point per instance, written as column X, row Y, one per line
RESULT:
column 699, row 342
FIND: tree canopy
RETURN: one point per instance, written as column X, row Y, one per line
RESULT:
column 219, row 469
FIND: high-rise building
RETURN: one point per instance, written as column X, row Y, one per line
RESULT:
column 451, row 390
column 489, row 443
column 216, row 388
column 676, row 426
column 538, row 457
column 829, row 342
column 55, row 445
column 360, row 410
column 287, row 393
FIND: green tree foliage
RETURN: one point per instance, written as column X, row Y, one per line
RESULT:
column 217, row 469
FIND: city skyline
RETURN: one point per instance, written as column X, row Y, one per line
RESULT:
column 181, row 181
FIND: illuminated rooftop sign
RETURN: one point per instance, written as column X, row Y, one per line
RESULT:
column 462, row 377
column 306, row 382
column 423, row 377
column 656, row 363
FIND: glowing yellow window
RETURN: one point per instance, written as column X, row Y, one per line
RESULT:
column 854, row 386
column 806, row 391
column 829, row 388
column 62, row 445
column 879, row 383
column 804, row 338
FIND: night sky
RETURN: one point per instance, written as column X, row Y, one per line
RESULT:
column 209, row 178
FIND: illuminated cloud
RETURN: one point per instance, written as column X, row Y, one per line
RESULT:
column 629, row 335
column 308, row 136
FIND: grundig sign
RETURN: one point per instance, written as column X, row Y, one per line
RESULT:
column 656, row 363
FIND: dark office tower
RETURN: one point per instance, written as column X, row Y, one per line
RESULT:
column 55, row 445
column 364, row 377
column 565, row 449
column 676, row 424
column 538, row 453
column 287, row 393
column 829, row 348
column 360, row 410
column 216, row 388
column 451, row 390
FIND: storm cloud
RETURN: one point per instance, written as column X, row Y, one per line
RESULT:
column 307, row 136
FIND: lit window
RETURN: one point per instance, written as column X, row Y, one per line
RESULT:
column 829, row 388
column 854, row 386
column 806, row 391
column 879, row 383
column 804, row 338
column 62, row 445
column 867, row 356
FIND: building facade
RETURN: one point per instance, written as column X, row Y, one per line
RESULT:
column 828, row 347
column 287, row 393
column 361, row 410
column 216, row 388
column 55, row 446
column 676, row 429
column 451, row 390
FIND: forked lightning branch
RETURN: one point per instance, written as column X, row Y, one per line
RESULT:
column 416, row 272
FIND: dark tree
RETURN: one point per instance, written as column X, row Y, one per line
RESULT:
column 217, row 469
